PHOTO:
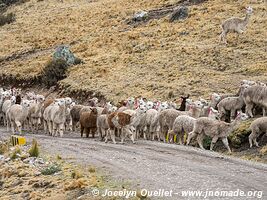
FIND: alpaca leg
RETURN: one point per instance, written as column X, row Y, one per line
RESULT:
column 100, row 135
column 112, row 135
column 45, row 127
column 54, row 130
column 232, row 115
column 144, row 132
column 200, row 140
column 70, row 125
column 158, row 135
column 61, row 129
column 165, row 135
column 223, row 37
column 190, row 136
column 13, row 127
column 226, row 144
column 170, row 137
column 180, row 138
column 18, row 124
column 122, row 135
column 153, row 136
column 82, row 129
column 251, row 138
column 130, row 133
column 7, row 124
column 249, row 108
column 4, row 118
column 74, row 124
column 107, row 135
column 255, row 142
column 39, row 122
column 213, row 141
column 50, row 129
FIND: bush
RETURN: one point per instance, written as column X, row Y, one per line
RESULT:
column 34, row 150
column 7, row 19
column 240, row 135
column 51, row 170
column 10, row 2
column 54, row 71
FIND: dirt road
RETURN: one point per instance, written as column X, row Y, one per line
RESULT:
column 153, row 166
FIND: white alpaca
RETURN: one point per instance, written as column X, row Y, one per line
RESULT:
column 235, row 24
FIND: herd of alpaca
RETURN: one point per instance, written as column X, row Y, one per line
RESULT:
column 138, row 117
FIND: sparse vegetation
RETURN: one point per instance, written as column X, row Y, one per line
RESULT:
column 59, row 157
column 263, row 150
column 7, row 19
column 92, row 169
column 34, row 150
column 76, row 174
column 51, row 170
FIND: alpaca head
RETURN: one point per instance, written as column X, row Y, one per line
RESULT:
column 141, row 109
column 215, row 97
column 25, row 103
column 130, row 101
column 164, row 105
column 13, row 100
column 241, row 116
column 149, row 105
column 40, row 98
column 249, row 10
column 68, row 100
column 60, row 102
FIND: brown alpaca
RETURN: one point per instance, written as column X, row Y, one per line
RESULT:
column 122, row 121
column 88, row 122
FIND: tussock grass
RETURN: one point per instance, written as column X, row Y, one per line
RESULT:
column 263, row 150
column 34, row 150
column 4, row 147
column 15, row 152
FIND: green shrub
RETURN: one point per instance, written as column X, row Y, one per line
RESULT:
column 34, row 150
column 51, row 170
column 54, row 71
column 7, row 19
column 207, row 142
column 240, row 135
column 10, row 2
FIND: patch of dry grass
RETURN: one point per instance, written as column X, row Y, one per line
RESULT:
column 151, row 59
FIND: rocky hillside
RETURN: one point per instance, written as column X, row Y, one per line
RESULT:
column 154, row 58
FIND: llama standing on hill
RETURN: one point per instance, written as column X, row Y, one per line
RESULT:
column 235, row 24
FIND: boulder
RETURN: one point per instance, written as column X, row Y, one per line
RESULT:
column 179, row 13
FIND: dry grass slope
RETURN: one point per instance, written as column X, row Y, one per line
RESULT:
column 150, row 59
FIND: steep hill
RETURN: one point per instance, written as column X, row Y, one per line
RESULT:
column 152, row 59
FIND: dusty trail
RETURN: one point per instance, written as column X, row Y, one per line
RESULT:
column 153, row 165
